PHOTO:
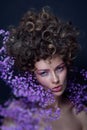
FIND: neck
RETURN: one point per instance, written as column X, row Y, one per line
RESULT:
column 61, row 101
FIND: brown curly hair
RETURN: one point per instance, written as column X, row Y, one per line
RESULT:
column 41, row 35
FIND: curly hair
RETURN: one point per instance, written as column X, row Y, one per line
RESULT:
column 41, row 35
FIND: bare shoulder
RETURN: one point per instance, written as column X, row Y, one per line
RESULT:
column 82, row 117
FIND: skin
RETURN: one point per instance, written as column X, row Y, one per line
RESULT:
column 51, row 74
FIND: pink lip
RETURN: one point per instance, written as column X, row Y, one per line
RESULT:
column 57, row 89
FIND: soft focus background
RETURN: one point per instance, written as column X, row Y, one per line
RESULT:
column 68, row 10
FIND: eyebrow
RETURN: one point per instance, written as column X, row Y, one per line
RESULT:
column 48, row 69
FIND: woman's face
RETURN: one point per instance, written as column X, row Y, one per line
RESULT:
column 52, row 74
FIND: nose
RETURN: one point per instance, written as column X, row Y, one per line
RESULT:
column 55, row 78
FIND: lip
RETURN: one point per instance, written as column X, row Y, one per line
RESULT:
column 57, row 89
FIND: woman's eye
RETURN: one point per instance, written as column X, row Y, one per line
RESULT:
column 43, row 73
column 60, row 69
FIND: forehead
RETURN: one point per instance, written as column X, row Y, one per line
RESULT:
column 52, row 63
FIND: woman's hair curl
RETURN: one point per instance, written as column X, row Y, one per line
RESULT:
column 40, row 36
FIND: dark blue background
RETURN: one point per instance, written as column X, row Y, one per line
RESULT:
column 72, row 10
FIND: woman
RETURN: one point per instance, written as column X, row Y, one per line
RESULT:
column 45, row 46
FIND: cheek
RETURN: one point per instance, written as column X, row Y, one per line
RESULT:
column 63, row 77
column 43, row 81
